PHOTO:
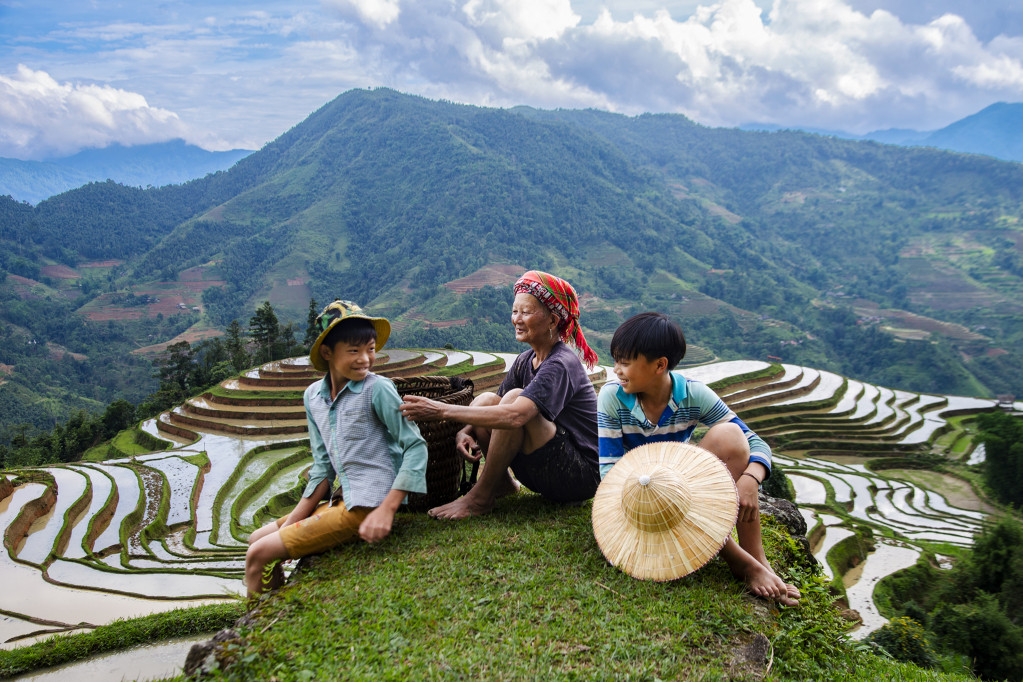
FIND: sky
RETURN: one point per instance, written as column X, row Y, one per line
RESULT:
column 224, row 74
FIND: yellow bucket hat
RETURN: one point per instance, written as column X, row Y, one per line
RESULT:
column 336, row 312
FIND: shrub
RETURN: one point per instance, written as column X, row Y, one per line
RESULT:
column 904, row 639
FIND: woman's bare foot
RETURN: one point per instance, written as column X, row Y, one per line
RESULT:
column 462, row 508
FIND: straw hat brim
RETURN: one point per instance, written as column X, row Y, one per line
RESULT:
column 695, row 534
column 382, row 326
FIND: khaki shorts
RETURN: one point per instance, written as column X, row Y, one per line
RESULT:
column 328, row 526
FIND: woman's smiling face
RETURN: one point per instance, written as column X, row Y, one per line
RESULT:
column 534, row 324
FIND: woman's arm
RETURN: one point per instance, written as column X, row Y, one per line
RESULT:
column 512, row 415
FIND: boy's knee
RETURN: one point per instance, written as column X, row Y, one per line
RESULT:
column 727, row 441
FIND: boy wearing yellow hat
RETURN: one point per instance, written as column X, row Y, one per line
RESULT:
column 650, row 403
column 358, row 435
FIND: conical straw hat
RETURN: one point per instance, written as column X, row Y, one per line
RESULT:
column 664, row 510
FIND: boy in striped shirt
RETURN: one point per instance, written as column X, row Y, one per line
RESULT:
column 649, row 403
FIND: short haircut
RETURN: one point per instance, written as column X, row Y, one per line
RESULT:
column 354, row 331
column 654, row 335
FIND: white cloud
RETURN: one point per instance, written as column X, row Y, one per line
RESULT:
column 807, row 62
column 240, row 75
column 379, row 13
column 41, row 118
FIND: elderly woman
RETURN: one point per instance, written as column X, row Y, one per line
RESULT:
column 542, row 422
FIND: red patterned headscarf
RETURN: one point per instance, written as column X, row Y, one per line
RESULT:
column 559, row 297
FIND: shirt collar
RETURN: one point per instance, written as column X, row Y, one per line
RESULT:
column 678, row 394
column 678, row 389
column 353, row 386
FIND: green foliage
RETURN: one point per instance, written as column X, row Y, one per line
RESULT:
column 904, row 639
column 1002, row 436
column 973, row 609
column 311, row 330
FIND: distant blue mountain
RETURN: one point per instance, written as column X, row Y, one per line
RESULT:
column 994, row 131
column 159, row 164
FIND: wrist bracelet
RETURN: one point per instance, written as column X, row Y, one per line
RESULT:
column 759, row 482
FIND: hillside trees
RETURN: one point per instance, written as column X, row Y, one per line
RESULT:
column 973, row 609
column 1002, row 436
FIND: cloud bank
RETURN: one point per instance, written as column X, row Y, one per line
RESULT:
column 240, row 76
column 814, row 63
column 41, row 118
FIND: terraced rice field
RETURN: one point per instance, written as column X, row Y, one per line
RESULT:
column 88, row 543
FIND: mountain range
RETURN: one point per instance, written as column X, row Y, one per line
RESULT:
column 140, row 165
column 899, row 266
column 995, row 131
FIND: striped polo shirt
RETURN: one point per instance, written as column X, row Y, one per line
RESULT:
column 622, row 425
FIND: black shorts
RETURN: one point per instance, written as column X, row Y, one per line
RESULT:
column 558, row 471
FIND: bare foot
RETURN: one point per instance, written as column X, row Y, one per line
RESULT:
column 766, row 583
column 462, row 508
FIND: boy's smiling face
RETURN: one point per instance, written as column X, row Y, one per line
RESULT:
column 349, row 361
column 640, row 374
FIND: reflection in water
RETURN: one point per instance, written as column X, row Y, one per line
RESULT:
column 146, row 662
column 884, row 561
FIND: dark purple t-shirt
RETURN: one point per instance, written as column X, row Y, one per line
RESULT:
column 561, row 392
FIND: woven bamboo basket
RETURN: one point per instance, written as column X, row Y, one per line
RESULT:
column 444, row 465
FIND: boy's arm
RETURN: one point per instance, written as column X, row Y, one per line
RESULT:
column 411, row 474
column 377, row 524
column 714, row 410
column 609, row 428
column 307, row 505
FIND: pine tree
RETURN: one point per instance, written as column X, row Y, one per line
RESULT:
column 235, row 345
column 311, row 330
column 265, row 330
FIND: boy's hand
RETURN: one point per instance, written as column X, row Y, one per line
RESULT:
column 377, row 525
column 467, row 447
column 749, row 499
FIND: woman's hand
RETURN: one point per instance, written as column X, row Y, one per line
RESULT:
column 415, row 407
column 467, row 446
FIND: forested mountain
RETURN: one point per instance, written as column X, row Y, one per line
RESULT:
column 898, row 266
column 139, row 165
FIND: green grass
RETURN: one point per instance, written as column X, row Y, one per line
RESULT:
column 120, row 634
column 525, row 593
column 283, row 393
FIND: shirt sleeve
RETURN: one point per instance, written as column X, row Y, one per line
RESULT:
column 549, row 390
column 609, row 428
column 714, row 411
column 511, row 379
column 321, row 468
column 411, row 475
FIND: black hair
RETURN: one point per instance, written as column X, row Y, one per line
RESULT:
column 654, row 335
column 355, row 331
